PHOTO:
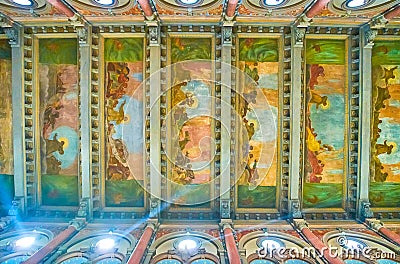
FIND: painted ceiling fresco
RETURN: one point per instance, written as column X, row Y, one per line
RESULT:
column 325, row 125
column 385, row 163
column 124, row 122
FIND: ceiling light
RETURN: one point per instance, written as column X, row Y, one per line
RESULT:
column 187, row 244
column 356, row 3
column 354, row 244
column 273, row 2
column 270, row 244
column 188, row 2
column 23, row 2
column 105, row 2
column 105, row 244
column 25, row 242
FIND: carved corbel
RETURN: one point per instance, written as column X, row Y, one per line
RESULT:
column 154, row 207
column 227, row 32
column 370, row 36
column 83, row 211
column 12, row 35
column 295, row 209
column 366, row 211
column 300, row 33
column 225, row 208
column 16, row 207
column 154, row 32
column 82, row 33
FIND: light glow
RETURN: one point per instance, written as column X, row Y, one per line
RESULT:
column 105, row 244
column 25, row 242
column 187, row 244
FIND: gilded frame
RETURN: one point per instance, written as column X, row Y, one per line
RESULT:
column 379, row 209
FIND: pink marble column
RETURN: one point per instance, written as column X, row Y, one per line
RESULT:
column 320, row 246
column 62, row 7
column 146, row 7
column 231, row 248
column 141, row 246
column 231, row 8
column 316, row 8
column 51, row 246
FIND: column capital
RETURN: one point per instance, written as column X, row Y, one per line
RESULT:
column 304, row 21
column 374, row 223
column 300, row 224
column 226, row 223
column 225, row 208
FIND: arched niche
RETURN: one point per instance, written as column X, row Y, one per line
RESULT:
column 281, row 248
column 186, row 247
column 18, row 246
column 356, row 247
column 98, row 247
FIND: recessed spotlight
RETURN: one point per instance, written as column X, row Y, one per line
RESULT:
column 273, row 2
column 23, row 2
column 25, row 242
column 105, row 2
column 105, row 244
column 354, row 4
column 188, row 2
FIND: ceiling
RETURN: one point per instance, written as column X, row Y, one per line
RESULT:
column 338, row 12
